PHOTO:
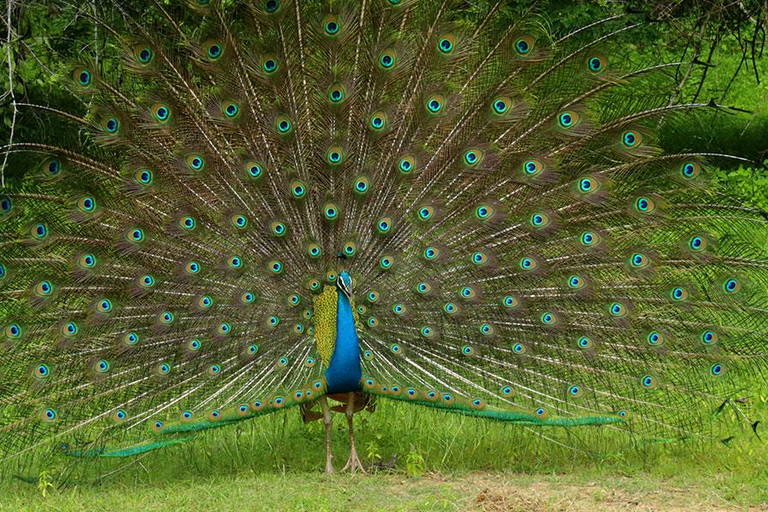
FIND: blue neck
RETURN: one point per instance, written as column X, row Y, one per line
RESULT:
column 344, row 373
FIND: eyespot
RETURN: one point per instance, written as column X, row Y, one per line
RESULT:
column 119, row 416
column 111, row 125
column 396, row 349
column 596, row 64
column 500, row 106
column 423, row 288
column 532, row 168
column 131, row 339
column 239, row 221
column 548, row 318
column 377, row 121
column 192, row 268
column 314, row 251
column 524, row 46
column 293, row 300
column 568, row 119
column 468, row 292
column 584, row 343
column 166, row 318
column 362, row 185
column 697, row 243
column 187, row 223
column 388, row 59
column 486, row 329
column 6, row 205
column 213, row 51
column 386, row 262
column 205, row 302
column 690, row 170
column 450, row 308
column 406, row 165
column 528, row 263
column 330, row 277
column 590, row 239
column 575, row 391
column 337, row 94
column 270, row 64
column 275, row 266
column 104, row 306
column 485, row 212
column 273, row 321
column 144, row 177
column 539, row 220
column 431, row 253
column 334, row 155
column 146, row 281
column 541, row 413
column 101, row 366
column 372, row 322
column 434, row 104
column 330, row 211
column 161, row 113
column 631, row 139
column 82, row 77
column 372, row 296
column 678, row 294
column 467, row 350
column 86, row 204
column 717, row 369
column 69, row 329
column 446, row 44
column 271, row 6
column 399, row 309
column 13, row 331
column 510, row 302
column 195, row 162
column 49, row 415
column 426, row 212
column 479, row 258
column 231, row 110
column 576, row 282
column 708, row 337
column 44, row 288
column 731, row 286
column 617, row 309
column 331, row 26
column 473, row 157
column 42, row 371
column 284, row 125
column 644, row 205
column 639, row 260
column 654, row 339
column 50, row 168
column 143, row 54
column 163, row 369
column 507, row 391
column 648, row 381
column 253, row 170
column 588, row 185
column 234, row 262
column 39, row 232
column 298, row 189
column 194, row 345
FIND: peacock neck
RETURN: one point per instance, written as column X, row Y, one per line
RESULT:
column 344, row 373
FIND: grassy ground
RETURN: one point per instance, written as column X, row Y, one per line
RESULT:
column 445, row 463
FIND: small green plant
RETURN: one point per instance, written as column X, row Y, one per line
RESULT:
column 414, row 463
column 44, row 483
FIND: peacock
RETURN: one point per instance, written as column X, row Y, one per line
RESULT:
column 234, row 207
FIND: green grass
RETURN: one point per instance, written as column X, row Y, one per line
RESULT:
column 446, row 462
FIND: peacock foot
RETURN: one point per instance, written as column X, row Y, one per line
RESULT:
column 353, row 464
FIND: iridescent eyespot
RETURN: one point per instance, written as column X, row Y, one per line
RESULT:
column 298, row 189
column 479, row 258
column 639, row 260
column 40, row 231
column 331, row 26
column 655, row 338
column 234, row 262
column 446, row 43
column 399, row 309
column 377, row 121
column 472, row 157
column 644, row 205
column 528, row 264
column 147, row 281
column 575, row 391
column 205, row 302
column 83, row 77
column 631, row 139
column 187, row 223
column 252, row 349
column 334, row 155
column 690, row 170
column 51, row 168
column 396, row 349
column 195, row 162
column 314, row 251
column 388, row 59
column 501, row 105
column 253, row 170
column 576, row 282
column 144, row 177
column 678, row 294
column 163, row 369
column 239, row 221
column 6, row 204
column 144, row 54
column 111, row 125
column 467, row 292
column 336, row 93
column 49, row 415
column 283, row 124
column 697, row 243
column 523, row 46
column 384, row 225
column 131, row 339
column 510, row 302
column 194, row 345
column 423, row 288
column 541, row 413
column 330, row 211
column 617, row 309
column 192, row 267
column 648, row 381
column 587, row 185
column 362, row 185
column 548, row 318
column 44, row 288
column 568, row 119
column 589, row 239
column 717, row 369
column 86, row 204
column 70, row 329
column 104, row 306
column 372, row 296
column 507, row 391
column 213, row 51
column 214, row 370
column 485, row 212
column 330, row 277
column 434, row 104
column 486, row 329
column 161, row 113
column 426, row 212
column 539, row 220
column 450, row 308
column 596, row 64
column 119, row 415
column 42, row 371
column 431, row 253
column 231, row 110
column 406, row 165
column 372, row 321
column 271, row 6
column 731, row 286
column 13, row 331
column 386, row 262
column 584, row 343
column 273, row 321
column 283, row 362
column 709, row 337
column 275, row 266
column 224, row 328
column 532, row 168
column 166, row 318
column 101, row 366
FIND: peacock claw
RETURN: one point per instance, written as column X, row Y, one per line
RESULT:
column 353, row 463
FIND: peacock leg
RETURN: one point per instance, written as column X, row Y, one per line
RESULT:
column 327, row 419
column 354, row 462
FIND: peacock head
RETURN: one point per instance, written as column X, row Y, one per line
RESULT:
column 344, row 283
